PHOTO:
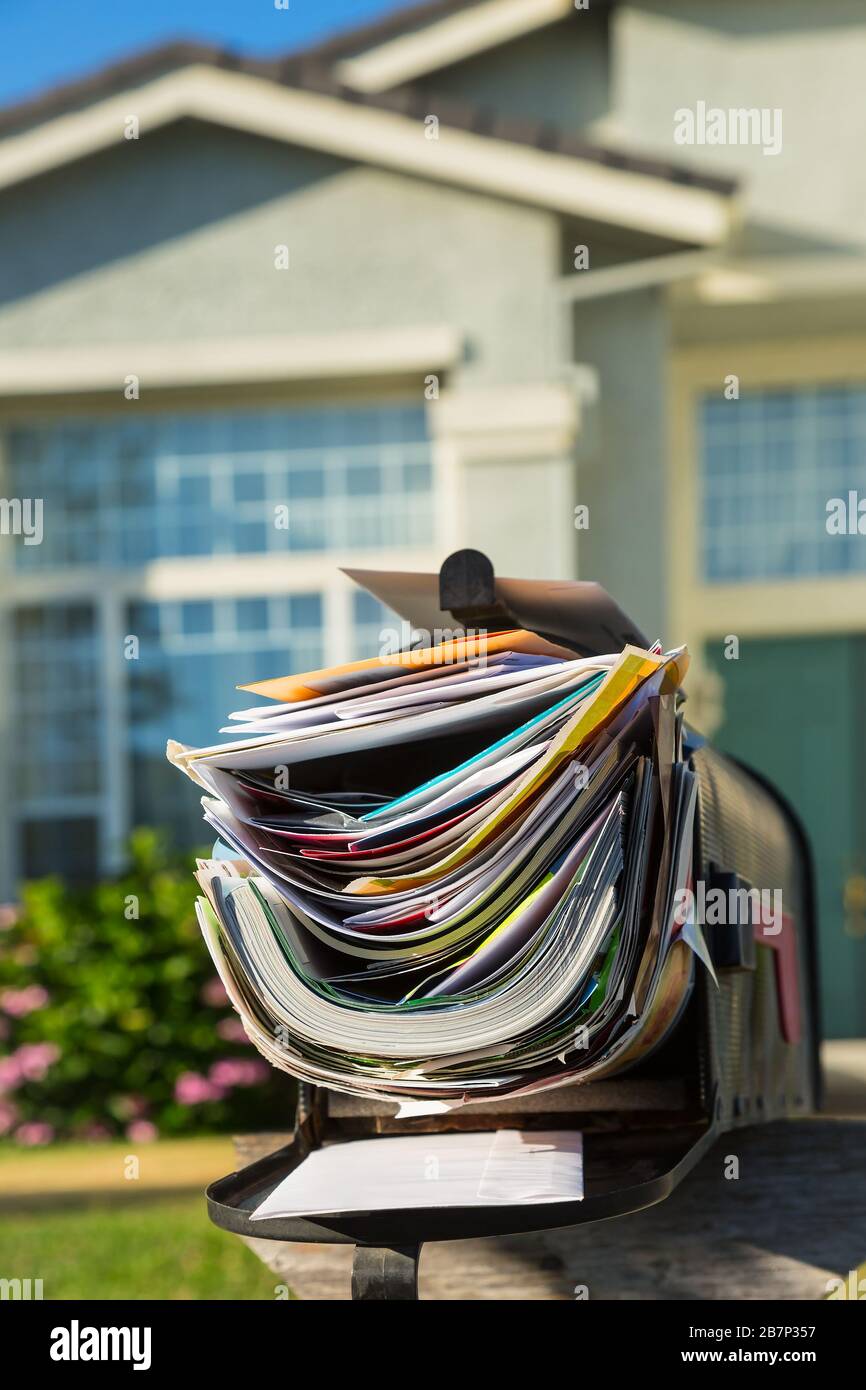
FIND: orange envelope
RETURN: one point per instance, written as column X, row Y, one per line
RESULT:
column 288, row 689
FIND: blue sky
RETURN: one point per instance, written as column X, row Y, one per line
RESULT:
column 43, row 42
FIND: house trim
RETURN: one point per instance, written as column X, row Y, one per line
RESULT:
column 354, row 355
column 686, row 214
column 446, row 40
column 513, row 421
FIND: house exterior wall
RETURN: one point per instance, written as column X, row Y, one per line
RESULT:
column 806, row 59
column 171, row 241
column 176, row 238
column 622, row 470
column 558, row 74
column 801, row 633
column 618, row 75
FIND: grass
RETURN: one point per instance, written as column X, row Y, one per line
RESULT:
column 71, row 1216
column 161, row 1249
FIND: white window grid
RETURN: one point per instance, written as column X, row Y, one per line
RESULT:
column 769, row 464
column 421, row 534
column 193, row 501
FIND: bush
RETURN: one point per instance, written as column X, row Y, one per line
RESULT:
column 112, row 1020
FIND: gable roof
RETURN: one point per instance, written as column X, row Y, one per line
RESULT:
column 303, row 104
column 406, row 20
column 420, row 39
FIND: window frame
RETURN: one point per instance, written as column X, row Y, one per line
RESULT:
column 182, row 578
column 701, row 609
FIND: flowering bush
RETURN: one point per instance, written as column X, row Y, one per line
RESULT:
column 112, row 1020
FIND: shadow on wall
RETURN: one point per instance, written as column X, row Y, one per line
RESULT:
column 139, row 194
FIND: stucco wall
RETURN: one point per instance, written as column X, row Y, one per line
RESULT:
column 173, row 237
column 806, row 59
column 622, row 473
column 622, row 85
column 557, row 74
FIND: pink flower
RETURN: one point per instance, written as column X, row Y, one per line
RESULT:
column 10, row 1074
column 142, row 1132
column 9, row 915
column 20, row 1002
column 34, row 1059
column 29, row 1063
column 194, row 1089
column 34, row 1134
column 231, row 1030
column 8, row 1116
column 213, row 993
column 238, row 1071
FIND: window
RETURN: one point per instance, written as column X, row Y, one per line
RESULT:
column 56, row 705
column 182, row 685
column 124, row 492
column 91, row 711
column 769, row 464
column 56, row 759
column 66, row 846
column 369, row 620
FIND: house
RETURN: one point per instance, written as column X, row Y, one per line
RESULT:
column 582, row 285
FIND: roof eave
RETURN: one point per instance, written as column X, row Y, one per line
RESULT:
column 588, row 184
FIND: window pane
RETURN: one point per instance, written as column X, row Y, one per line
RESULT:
column 252, row 614
column 305, row 610
column 68, row 847
column 56, row 705
column 363, row 479
column 773, row 465
column 249, row 487
column 305, row 482
column 372, row 626
column 196, row 618
column 184, row 685
column 122, row 493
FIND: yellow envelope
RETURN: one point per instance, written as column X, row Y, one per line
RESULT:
column 620, row 683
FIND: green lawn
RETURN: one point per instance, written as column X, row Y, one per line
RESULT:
column 72, row 1216
column 162, row 1248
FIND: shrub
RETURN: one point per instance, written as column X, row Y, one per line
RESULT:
column 112, row 1020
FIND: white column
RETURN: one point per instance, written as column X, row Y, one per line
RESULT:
column 337, row 619
column 510, row 456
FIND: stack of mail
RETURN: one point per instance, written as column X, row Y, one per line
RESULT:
column 449, row 874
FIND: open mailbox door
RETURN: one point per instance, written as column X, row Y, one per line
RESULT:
column 466, row 593
column 717, row 1029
